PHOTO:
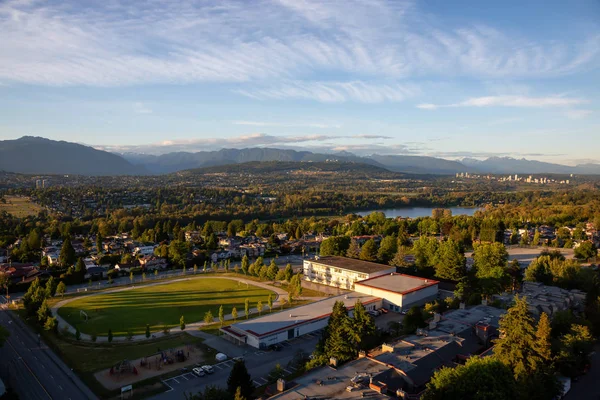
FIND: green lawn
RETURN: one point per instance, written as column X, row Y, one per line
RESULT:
column 19, row 206
column 131, row 310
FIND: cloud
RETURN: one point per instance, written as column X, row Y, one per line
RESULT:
column 268, row 49
column 577, row 114
column 334, row 92
column 509, row 101
column 140, row 108
column 288, row 125
column 242, row 141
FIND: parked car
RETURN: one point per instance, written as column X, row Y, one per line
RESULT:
column 221, row 357
column 275, row 347
column 208, row 369
column 198, row 372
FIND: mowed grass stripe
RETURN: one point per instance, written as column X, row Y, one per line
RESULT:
column 160, row 305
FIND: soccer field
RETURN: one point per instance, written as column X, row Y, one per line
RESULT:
column 131, row 310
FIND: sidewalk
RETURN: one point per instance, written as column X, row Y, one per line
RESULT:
column 281, row 295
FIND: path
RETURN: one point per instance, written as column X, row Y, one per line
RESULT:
column 192, row 327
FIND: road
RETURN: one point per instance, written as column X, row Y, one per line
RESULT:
column 587, row 385
column 32, row 369
column 258, row 363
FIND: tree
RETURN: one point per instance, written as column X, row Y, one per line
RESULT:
column 338, row 332
column 43, row 312
column 353, row 249
column 270, row 302
column 334, row 246
column 67, row 253
column 245, row 264
column 450, row 261
column 536, row 238
column 50, row 325
column 387, row 249
column 363, row 326
column 272, row 270
column 585, row 251
column 131, row 277
column 543, row 336
column 247, row 308
column 276, row 373
column 480, row 378
column 295, row 286
column 240, row 378
column 221, row 315
column 61, row 289
column 259, row 307
column 234, row 313
column 238, row 394
column 77, row 333
column 368, row 251
column 575, row 348
column 51, row 286
column 147, row 330
column 182, row 323
column 490, row 259
column 208, row 317
column 289, row 272
column 413, row 319
column 195, row 269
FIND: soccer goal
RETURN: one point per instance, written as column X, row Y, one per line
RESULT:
column 83, row 315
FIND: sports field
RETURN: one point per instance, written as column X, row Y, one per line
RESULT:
column 131, row 310
column 19, row 206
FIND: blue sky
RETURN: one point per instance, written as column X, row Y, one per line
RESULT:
column 445, row 78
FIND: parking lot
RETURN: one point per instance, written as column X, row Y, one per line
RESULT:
column 259, row 364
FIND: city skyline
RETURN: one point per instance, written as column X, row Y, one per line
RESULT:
column 450, row 80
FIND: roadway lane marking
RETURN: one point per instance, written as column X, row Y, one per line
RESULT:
column 175, row 380
column 287, row 371
column 60, row 387
column 185, row 377
column 256, row 383
column 266, row 381
column 29, row 369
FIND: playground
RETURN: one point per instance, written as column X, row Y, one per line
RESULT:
column 161, row 306
column 127, row 372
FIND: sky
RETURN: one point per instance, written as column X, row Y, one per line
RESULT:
column 449, row 79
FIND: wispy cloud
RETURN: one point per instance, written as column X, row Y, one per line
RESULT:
column 288, row 125
column 242, row 141
column 334, row 92
column 578, row 114
column 269, row 49
column 141, row 108
column 509, row 101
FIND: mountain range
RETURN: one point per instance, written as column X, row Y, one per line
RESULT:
column 36, row 155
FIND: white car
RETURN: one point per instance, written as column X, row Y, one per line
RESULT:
column 198, row 372
column 208, row 369
column 221, row 357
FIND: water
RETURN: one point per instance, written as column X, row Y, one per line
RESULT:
column 415, row 212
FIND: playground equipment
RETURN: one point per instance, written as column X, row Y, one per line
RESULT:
column 123, row 367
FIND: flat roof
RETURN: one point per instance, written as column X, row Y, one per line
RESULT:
column 397, row 283
column 334, row 382
column 287, row 319
column 352, row 264
column 459, row 320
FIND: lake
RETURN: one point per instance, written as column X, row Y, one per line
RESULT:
column 415, row 212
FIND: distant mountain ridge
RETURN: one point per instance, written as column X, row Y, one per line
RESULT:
column 37, row 155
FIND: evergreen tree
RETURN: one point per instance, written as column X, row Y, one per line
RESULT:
column 270, row 302
column 147, row 330
column 61, row 289
column 67, row 253
column 51, row 324
column 339, row 343
column 43, row 312
column 245, row 265
column 368, row 252
column 353, row 249
column 234, row 314
column 259, row 307
column 51, row 286
column 239, row 378
column 182, row 323
column 273, row 270
column 247, row 308
column 208, row 317
column 363, row 326
column 543, row 345
column 221, row 315
column 289, row 272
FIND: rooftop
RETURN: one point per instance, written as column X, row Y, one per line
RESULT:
column 457, row 321
column 334, row 382
column 286, row 319
column 352, row 264
column 398, row 283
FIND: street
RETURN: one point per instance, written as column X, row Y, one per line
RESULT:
column 587, row 386
column 32, row 369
